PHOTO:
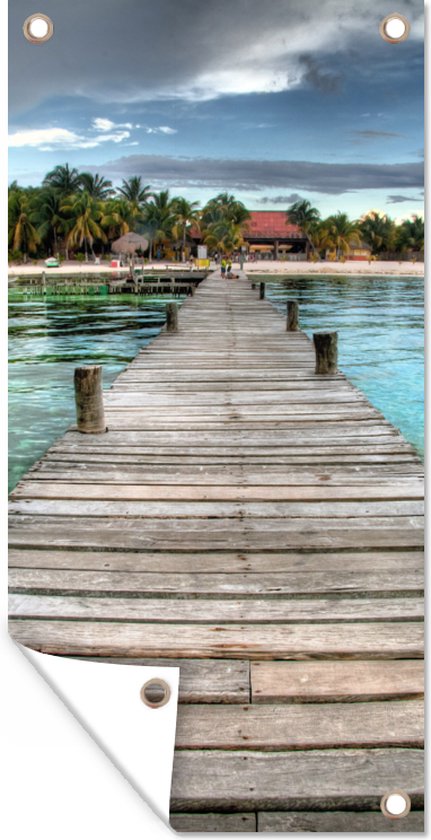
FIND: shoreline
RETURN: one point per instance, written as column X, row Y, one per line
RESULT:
column 263, row 267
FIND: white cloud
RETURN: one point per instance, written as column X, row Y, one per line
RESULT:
column 50, row 139
column 161, row 129
column 103, row 124
column 40, row 137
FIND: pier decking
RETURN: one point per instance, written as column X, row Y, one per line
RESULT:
column 261, row 526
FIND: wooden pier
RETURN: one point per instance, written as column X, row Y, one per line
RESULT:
column 261, row 526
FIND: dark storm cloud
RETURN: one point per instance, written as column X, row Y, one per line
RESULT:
column 400, row 199
column 328, row 178
column 137, row 51
column 280, row 199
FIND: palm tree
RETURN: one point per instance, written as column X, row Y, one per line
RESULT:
column 159, row 219
column 378, row 231
column 411, row 235
column 117, row 218
column 186, row 217
column 63, row 179
column 23, row 235
column 49, row 218
column 96, row 185
column 224, row 236
column 342, row 233
column 224, row 207
column 85, row 214
column 307, row 217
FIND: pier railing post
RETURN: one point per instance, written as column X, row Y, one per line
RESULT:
column 172, row 317
column 261, row 291
column 325, row 345
column 292, row 324
column 90, row 415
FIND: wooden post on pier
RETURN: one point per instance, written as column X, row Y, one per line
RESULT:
column 325, row 345
column 90, row 416
column 261, row 290
column 172, row 317
column 292, row 316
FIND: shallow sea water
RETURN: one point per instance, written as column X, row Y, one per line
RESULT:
column 380, row 325
column 48, row 338
column 379, row 322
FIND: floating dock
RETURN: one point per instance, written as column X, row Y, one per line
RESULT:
column 260, row 526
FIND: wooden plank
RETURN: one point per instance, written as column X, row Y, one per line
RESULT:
column 381, row 640
column 332, row 821
column 227, row 562
column 295, row 583
column 213, row 822
column 212, row 610
column 51, row 532
column 298, row 727
column 315, row 682
column 316, row 510
column 219, row 493
column 329, row 779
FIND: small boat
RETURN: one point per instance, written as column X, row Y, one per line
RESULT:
column 52, row 262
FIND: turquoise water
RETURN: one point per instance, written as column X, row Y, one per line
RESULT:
column 379, row 322
column 380, row 325
column 48, row 338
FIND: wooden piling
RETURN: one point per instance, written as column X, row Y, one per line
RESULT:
column 172, row 317
column 325, row 345
column 261, row 291
column 292, row 316
column 90, row 416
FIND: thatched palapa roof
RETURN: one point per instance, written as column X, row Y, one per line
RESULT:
column 130, row 243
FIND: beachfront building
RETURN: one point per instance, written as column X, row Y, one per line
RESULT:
column 269, row 235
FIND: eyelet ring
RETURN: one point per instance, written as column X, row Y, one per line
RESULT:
column 155, row 693
column 38, row 28
column 396, row 804
column 394, row 28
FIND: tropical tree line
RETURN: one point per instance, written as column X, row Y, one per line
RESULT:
column 78, row 214
column 336, row 234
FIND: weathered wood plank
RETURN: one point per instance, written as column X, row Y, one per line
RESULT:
column 328, row 779
column 213, row 610
column 219, row 493
column 127, row 583
column 227, row 562
column 297, row 727
column 50, row 532
column 287, row 510
column 330, row 821
column 314, row 682
column 382, row 640
column 213, row 822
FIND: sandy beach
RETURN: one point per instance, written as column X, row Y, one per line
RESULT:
column 262, row 267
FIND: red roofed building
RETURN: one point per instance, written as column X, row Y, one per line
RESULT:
column 270, row 235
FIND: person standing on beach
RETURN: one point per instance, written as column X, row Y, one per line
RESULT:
column 223, row 267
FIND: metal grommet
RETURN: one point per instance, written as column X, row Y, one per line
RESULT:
column 38, row 28
column 155, row 693
column 394, row 28
column 395, row 804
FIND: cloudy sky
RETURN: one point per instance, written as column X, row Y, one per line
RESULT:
column 270, row 100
